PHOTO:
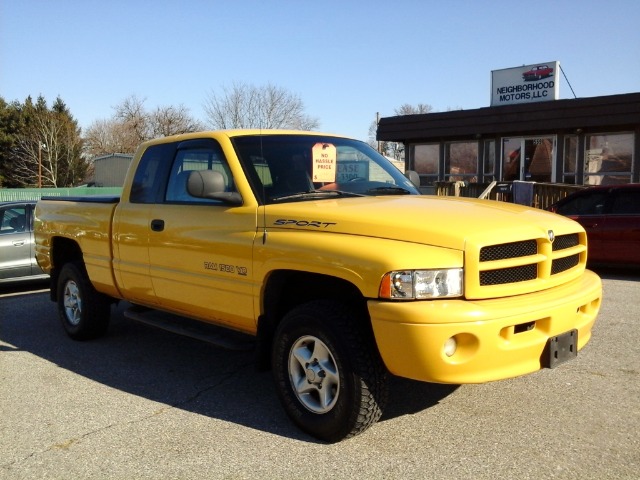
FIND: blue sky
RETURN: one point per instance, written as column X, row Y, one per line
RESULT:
column 345, row 59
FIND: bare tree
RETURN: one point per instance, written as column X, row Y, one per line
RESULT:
column 418, row 109
column 396, row 149
column 132, row 124
column 47, row 150
column 171, row 120
column 104, row 137
column 237, row 108
column 132, row 115
column 249, row 106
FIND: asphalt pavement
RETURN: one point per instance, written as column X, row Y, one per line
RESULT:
column 141, row 403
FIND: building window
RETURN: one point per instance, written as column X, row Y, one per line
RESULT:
column 540, row 154
column 489, row 160
column 528, row 158
column 570, row 159
column 608, row 158
column 511, row 148
column 425, row 162
column 461, row 161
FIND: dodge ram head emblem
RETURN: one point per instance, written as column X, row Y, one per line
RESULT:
column 552, row 236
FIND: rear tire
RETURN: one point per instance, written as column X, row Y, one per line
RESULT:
column 329, row 376
column 83, row 311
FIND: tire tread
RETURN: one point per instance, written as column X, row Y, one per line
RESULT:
column 346, row 327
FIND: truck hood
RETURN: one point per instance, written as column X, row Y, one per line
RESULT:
column 439, row 221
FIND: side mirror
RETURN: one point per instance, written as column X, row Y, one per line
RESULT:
column 210, row 184
column 413, row 177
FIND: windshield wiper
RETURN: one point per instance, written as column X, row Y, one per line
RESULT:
column 389, row 191
column 317, row 194
column 342, row 193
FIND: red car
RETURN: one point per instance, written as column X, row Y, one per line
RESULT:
column 536, row 73
column 611, row 216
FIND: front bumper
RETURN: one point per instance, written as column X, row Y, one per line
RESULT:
column 496, row 339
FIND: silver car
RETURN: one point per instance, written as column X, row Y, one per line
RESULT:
column 17, row 255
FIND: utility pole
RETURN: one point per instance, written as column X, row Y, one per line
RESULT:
column 377, row 122
column 39, row 164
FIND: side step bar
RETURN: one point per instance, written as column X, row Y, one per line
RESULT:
column 221, row 337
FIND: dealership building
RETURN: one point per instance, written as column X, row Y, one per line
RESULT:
column 526, row 134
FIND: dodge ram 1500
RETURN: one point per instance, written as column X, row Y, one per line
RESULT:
column 320, row 254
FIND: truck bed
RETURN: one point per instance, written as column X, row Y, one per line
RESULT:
column 86, row 199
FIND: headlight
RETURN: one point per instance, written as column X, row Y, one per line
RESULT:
column 422, row 284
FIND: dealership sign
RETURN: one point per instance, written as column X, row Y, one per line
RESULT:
column 530, row 83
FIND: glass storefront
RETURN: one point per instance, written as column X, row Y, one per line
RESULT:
column 589, row 159
column 578, row 141
column 461, row 161
column 424, row 160
column 489, row 160
column 528, row 158
column 570, row 159
column 608, row 158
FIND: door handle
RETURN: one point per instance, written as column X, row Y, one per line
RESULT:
column 18, row 243
column 157, row 225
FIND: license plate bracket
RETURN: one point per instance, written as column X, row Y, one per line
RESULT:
column 560, row 348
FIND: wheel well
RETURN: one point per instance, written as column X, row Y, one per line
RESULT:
column 63, row 251
column 286, row 289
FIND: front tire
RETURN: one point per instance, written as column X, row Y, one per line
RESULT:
column 83, row 311
column 329, row 376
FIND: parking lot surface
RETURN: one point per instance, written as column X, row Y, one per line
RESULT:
column 142, row 403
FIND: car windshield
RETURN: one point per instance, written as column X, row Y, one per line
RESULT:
column 289, row 167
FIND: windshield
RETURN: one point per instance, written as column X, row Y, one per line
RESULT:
column 289, row 167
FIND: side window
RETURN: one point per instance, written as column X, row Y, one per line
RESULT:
column 13, row 220
column 149, row 180
column 588, row 204
column 626, row 203
column 196, row 156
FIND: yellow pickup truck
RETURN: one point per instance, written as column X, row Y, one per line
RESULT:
column 320, row 254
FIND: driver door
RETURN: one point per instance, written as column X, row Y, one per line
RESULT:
column 200, row 249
